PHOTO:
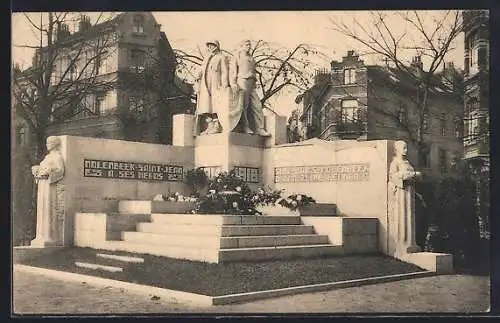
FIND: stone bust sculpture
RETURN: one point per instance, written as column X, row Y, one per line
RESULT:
column 50, row 216
column 52, row 166
column 401, row 196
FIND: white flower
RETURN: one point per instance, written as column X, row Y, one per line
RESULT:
column 294, row 203
column 235, row 205
column 260, row 191
column 225, row 186
column 212, row 191
column 299, row 197
column 177, row 194
column 171, row 199
column 219, row 180
column 238, row 189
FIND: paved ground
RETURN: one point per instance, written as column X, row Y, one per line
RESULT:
column 34, row 294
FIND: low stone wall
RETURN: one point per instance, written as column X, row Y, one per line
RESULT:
column 93, row 229
column 355, row 235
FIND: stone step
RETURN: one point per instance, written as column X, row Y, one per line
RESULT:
column 188, row 241
column 120, row 258
column 88, row 265
column 148, row 207
column 281, row 252
column 217, row 242
column 225, row 231
column 212, row 219
column 197, row 254
column 228, row 255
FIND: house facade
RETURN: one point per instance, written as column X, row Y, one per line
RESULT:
column 476, row 81
column 367, row 102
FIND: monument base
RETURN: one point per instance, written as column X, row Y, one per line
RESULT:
column 441, row 263
column 41, row 243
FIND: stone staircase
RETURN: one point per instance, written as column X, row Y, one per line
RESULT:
column 209, row 238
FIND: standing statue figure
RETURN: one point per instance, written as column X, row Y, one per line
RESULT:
column 402, row 178
column 247, row 107
column 47, row 175
column 213, row 90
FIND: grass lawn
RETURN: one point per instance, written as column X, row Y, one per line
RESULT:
column 227, row 278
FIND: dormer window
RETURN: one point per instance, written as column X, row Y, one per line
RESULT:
column 349, row 76
column 138, row 25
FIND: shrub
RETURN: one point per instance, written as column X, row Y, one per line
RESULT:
column 448, row 221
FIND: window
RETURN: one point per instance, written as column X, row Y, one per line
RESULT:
column 100, row 104
column 425, row 158
column 443, row 162
column 136, row 104
column 458, row 127
column 350, row 76
column 349, row 111
column 402, row 115
column 137, row 58
column 21, row 136
column 138, row 25
column 471, row 119
column 442, row 124
column 100, row 63
column 309, row 116
column 425, row 121
column 473, row 49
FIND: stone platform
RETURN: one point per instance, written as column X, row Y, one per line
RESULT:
column 221, row 238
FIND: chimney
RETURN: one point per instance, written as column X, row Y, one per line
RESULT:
column 417, row 65
column 84, row 23
column 62, row 31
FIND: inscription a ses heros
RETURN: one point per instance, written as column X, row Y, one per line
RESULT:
column 132, row 170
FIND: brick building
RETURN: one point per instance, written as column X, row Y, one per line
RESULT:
column 368, row 102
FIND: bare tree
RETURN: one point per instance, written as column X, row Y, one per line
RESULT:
column 278, row 68
column 65, row 70
column 429, row 35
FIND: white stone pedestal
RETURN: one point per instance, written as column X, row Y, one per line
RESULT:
column 182, row 130
column 43, row 215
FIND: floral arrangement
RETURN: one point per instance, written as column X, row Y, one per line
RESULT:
column 295, row 201
column 227, row 194
column 274, row 197
column 175, row 197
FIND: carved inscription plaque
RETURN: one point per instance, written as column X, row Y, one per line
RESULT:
column 322, row 173
column 132, row 170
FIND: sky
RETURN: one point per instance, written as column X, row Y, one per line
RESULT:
column 187, row 30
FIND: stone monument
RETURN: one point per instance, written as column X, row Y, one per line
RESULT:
column 401, row 198
column 50, row 201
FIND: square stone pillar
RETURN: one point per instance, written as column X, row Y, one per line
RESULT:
column 182, row 130
column 227, row 151
column 276, row 126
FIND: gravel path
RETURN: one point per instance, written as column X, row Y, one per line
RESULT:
column 34, row 294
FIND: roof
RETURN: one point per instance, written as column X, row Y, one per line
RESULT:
column 396, row 77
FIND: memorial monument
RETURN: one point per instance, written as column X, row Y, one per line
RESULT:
column 50, row 201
